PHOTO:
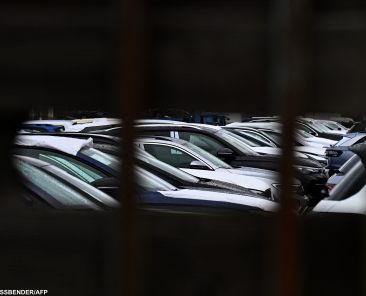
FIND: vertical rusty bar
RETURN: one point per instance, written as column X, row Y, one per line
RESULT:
column 290, row 89
column 130, row 86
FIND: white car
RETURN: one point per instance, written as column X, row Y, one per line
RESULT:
column 199, row 163
column 302, row 137
column 269, row 144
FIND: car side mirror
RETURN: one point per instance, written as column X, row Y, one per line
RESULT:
column 198, row 165
column 226, row 154
column 109, row 185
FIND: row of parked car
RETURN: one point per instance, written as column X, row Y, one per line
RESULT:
column 75, row 164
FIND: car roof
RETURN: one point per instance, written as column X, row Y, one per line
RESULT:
column 268, row 125
column 158, row 121
column 196, row 126
column 68, row 145
column 74, row 135
column 160, row 139
column 349, row 139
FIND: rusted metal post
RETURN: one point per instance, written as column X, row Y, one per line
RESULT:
column 290, row 87
column 131, row 96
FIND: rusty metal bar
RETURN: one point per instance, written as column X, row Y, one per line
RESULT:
column 291, row 70
column 130, row 90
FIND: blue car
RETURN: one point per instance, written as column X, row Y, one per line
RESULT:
column 340, row 152
column 43, row 128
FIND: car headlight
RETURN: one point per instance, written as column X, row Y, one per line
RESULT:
column 297, row 188
column 308, row 170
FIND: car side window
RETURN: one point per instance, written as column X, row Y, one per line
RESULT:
column 174, row 157
column 60, row 192
column 204, row 142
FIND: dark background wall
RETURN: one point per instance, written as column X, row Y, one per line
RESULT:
column 216, row 56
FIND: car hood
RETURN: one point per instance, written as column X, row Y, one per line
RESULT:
column 226, row 175
column 325, row 142
column 343, row 132
column 274, row 151
column 273, row 161
column 256, row 172
column 311, row 150
column 68, row 145
column 263, row 204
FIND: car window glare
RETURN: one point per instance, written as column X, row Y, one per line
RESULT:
column 169, row 169
column 81, row 172
column 217, row 162
column 106, row 159
column 69, row 164
column 322, row 126
column 171, row 155
column 343, row 141
column 257, row 136
column 59, row 191
column 303, row 133
column 250, row 140
column 274, row 136
column 203, row 141
column 236, row 141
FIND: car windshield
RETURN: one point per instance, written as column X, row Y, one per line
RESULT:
column 57, row 190
column 168, row 168
column 217, row 162
column 318, row 127
column 331, row 125
column 73, row 166
column 274, row 136
column 303, row 133
column 342, row 141
column 106, row 159
column 250, row 140
column 236, row 141
column 150, row 182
